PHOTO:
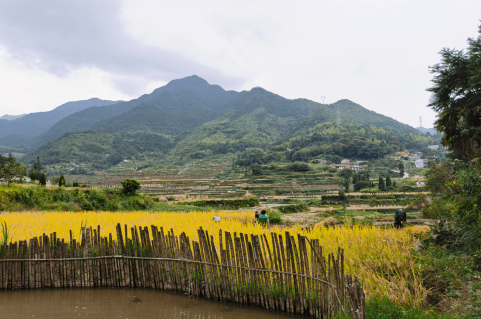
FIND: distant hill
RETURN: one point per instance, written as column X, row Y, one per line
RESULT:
column 352, row 113
column 18, row 131
column 190, row 118
column 424, row 130
column 11, row 117
column 172, row 109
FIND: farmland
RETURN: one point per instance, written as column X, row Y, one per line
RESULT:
column 382, row 258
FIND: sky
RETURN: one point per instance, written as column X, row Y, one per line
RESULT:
column 375, row 53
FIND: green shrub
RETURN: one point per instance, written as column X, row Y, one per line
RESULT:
column 274, row 216
column 130, row 186
column 289, row 209
column 299, row 167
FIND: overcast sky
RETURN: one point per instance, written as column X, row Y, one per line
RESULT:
column 374, row 53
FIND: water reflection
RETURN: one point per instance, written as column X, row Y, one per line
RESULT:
column 120, row 303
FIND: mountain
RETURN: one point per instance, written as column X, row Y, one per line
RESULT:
column 20, row 130
column 172, row 109
column 190, row 118
column 260, row 119
column 256, row 118
column 11, row 117
column 352, row 113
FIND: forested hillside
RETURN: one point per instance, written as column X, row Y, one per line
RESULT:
column 335, row 142
column 190, row 119
column 89, row 149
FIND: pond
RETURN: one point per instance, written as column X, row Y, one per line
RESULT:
column 121, row 303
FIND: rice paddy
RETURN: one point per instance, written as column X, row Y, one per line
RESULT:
column 383, row 259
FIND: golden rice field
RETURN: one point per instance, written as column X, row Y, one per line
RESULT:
column 381, row 258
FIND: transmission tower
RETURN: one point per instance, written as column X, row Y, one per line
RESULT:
column 420, row 121
column 323, row 98
column 338, row 116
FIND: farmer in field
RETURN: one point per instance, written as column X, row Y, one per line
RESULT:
column 263, row 219
column 257, row 214
column 216, row 219
column 399, row 218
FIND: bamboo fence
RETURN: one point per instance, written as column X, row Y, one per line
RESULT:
column 282, row 274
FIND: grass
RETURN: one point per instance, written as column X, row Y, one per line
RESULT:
column 163, row 207
column 382, row 308
column 17, row 198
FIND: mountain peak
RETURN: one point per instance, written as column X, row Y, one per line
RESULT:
column 190, row 80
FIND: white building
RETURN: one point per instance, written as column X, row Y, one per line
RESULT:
column 419, row 163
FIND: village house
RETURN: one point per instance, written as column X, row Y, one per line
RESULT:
column 355, row 166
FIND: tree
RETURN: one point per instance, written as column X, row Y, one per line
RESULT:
column 355, row 178
column 401, row 169
column 256, row 169
column 366, row 175
column 130, row 186
column 33, row 175
column 10, row 169
column 346, row 173
column 37, row 166
column 381, row 184
column 361, row 184
column 456, row 96
column 42, row 179
column 346, row 183
column 388, row 182
column 61, row 181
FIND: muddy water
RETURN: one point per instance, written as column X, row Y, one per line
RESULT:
column 121, row 303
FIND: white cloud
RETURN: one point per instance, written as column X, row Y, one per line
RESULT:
column 375, row 53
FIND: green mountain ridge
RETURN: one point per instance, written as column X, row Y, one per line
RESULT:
column 21, row 130
column 190, row 119
column 176, row 104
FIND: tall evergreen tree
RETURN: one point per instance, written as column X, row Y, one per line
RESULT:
column 381, row 184
column 401, row 169
column 42, row 179
column 37, row 166
column 36, row 170
column 388, row 182
column 61, row 181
